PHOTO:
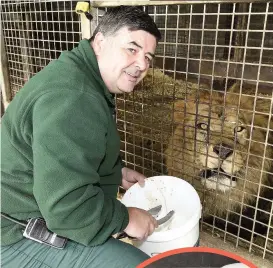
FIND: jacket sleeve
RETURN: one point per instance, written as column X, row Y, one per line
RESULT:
column 122, row 163
column 69, row 143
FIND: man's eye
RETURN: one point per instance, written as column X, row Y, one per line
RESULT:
column 148, row 59
column 132, row 50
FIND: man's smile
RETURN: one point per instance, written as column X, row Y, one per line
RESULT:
column 132, row 78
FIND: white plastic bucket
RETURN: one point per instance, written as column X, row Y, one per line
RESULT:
column 182, row 230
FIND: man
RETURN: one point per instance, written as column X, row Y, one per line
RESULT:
column 61, row 147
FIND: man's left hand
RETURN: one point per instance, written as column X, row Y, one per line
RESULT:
column 130, row 177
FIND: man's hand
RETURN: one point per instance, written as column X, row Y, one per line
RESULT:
column 130, row 177
column 141, row 223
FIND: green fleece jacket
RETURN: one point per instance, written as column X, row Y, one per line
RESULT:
column 60, row 153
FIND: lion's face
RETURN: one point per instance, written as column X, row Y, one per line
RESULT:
column 219, row 146
column 220, row 157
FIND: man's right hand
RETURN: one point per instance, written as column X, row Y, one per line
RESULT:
column 141, row 223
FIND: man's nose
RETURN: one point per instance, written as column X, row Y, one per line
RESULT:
column 141, row 63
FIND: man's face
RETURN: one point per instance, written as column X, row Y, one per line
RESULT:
column 124, row 58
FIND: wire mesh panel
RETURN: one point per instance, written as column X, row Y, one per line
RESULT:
column 203, row 112
column 36, row 32
column 222, row 142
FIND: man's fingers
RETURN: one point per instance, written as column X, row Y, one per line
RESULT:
column 153, row 222
column 152, row 229
column 146, row 235
column 141, row 181
column 152, row 225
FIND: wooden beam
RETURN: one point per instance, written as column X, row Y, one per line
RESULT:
column 4, row 74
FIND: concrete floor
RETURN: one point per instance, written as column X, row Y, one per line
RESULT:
column 206, row 240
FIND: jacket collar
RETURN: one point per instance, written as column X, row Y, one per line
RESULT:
column 90, row 59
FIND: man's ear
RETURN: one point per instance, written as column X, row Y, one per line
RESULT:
column 98, row 43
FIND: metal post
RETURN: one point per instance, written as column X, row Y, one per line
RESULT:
column 4, row 74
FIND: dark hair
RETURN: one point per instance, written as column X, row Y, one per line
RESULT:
column 126, row 16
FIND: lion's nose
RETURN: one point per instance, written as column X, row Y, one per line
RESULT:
column 223, row 150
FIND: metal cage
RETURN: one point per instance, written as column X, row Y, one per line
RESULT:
column 207, row 47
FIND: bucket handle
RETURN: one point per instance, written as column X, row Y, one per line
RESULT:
column 155, row 253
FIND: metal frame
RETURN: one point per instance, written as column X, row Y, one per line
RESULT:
column 163, row 3
column 4, row 79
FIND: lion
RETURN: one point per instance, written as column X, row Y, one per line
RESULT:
column 225, row 150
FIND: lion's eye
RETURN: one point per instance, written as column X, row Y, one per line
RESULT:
column 239, row 129
column 203, row 126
